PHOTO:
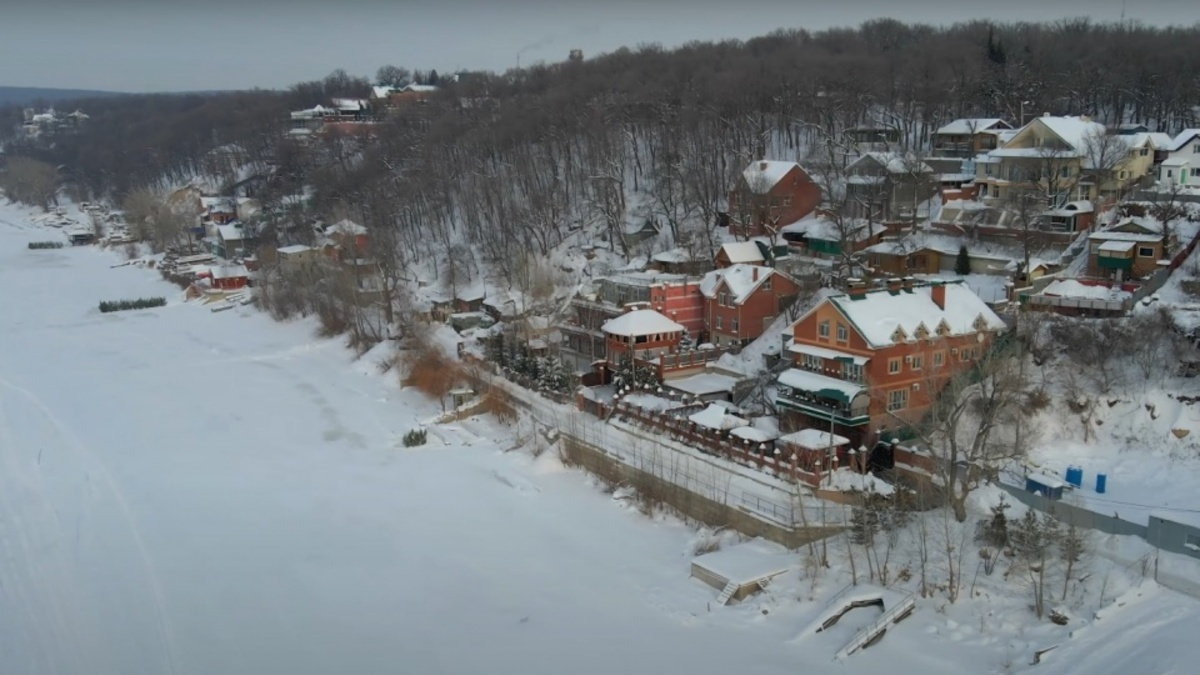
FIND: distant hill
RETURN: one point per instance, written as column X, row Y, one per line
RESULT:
column 27, row 95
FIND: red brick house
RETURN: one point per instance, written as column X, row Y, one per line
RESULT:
column 871, row 360
column 348, row 240
column 640, row 333
column 742, row 301
column 770, row 195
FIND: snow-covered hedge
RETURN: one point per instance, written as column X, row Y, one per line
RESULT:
column 122, row 305
column 35, row 245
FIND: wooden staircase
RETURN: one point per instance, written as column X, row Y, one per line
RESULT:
column 727, row 593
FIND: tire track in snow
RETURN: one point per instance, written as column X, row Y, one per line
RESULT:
column 24, row 579
column 88, row 457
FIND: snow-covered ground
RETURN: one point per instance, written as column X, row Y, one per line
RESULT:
column 191, row 492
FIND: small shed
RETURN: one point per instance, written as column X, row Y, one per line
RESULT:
column 230, row 278
column 743, row 569
column 1047, row 486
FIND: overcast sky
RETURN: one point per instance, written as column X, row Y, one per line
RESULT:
column 169, row 45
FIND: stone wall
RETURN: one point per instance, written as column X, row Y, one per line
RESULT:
column 690, row 504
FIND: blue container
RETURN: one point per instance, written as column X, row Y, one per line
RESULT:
column 1101, row 483
column 1075, row 476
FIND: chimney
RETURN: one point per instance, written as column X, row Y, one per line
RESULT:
column 1045, row 114
column 754, row 274
column 1085, row 118
column 893, row 285
column 907, row 284
column 762, row 166
column 938, row 293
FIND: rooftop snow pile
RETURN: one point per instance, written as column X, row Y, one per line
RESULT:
column 639, row 323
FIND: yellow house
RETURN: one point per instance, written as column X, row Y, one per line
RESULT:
column 1050, row 156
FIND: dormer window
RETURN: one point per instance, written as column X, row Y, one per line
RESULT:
column 922, row 332
column 943, row 328
column 899, row 336
column 980, row 324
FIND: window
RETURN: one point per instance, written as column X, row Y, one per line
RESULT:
column 810, row 362
column 718, row 323
column 787, row 201
column 735, row 325
column 917, row 362
column 1196, row 149
column 897, row 399
column 1066, row 172
column 1196, row 173
column 964, row 355
column 1122, row 175
column 1170, row 173
column 1145, row 252
column 852, row 372
column 766, row 284
column 843, row 335
column 1144, row 151
column 723, row 300
column 939, row 358
column 893, row 366
column 823, row 329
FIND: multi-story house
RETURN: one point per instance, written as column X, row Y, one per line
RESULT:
column 770, row 195
column 888, row 185
column 968, row 137
column 675, row 295
column 1129, row 250
column 1053, row 161
column 742, row 301
column 874, row 359
column 641, row 334
column 1181, row 168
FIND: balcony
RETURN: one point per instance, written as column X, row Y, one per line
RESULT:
column 847, row 403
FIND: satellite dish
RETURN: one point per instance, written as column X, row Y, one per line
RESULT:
column 979, row 338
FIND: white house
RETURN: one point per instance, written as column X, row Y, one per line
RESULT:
column 1182, row 166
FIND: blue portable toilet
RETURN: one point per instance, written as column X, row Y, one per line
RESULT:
column 1101, row 483
column 1075, row 476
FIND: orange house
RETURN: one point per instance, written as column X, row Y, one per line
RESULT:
column 742, row 301
column 640, row 333
column 771, row 195
column 871, row 360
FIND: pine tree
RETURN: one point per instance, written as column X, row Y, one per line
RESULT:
column 993, row 536
column 962, row 264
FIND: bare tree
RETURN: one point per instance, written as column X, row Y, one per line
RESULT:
column 30, row 181
column 970, row 415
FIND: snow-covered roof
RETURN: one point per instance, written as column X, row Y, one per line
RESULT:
column 753, row 434
column 742, row 252
column 1072, row 208
column 1157, row 139
column 231, row 232
column 716, row 417
column 763, row 175
column 419, row 87
column 640, row 322
column 814, row 439
column 381, row 91
column 1070, row 288
column 293, row 249
column 817, row 227
column 219, row 204
column 230, row 272
column 675, row 255
column 346, row 226
column 895, row 162
column 879, row 314
column 1074, row 131
column 829, row 387
column 1117, row 246
column 741, row 280
column 702, row 384
column 1183, row 139
column 970, row 126
column 747, row 562
column 350, row 104
column 826, row 353
column 1175, row 161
